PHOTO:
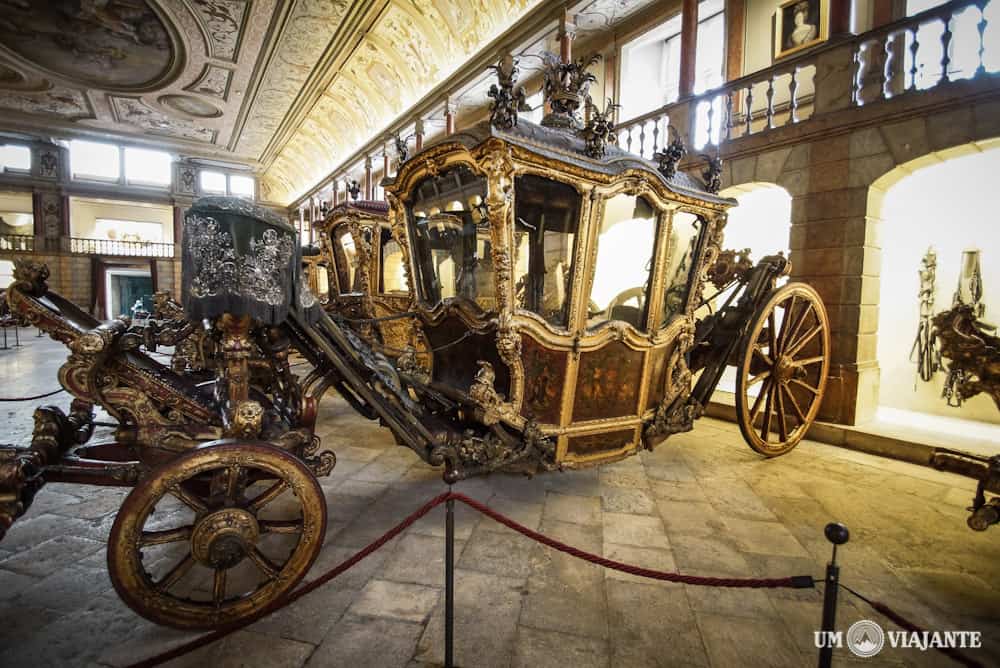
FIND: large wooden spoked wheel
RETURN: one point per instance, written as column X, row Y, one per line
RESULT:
column 782, row 369
column 216, row 534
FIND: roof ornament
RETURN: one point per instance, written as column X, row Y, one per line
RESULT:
column 402, row 150
column 354, row 189
column 713, row 173
column 508, row 99
column 567, row 87
column 600, row 129
column 671, row 155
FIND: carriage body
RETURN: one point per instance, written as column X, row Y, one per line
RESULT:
column 367, row 276
column 558, row 288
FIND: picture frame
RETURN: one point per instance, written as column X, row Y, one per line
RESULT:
column 799, row 25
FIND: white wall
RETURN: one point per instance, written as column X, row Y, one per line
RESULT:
column 16, row 211
column 951, row 206
column 84, row 212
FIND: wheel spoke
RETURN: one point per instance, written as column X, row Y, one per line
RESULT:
column 760, row 399
column 219, row 586
column 779, row 401
column 188, row 499
column 267, row 496
column 166, row 536
column 810, row 360
column 759, row 377
column 814, row 390
column 801, row 343
column 798, row 323
column 175, row 574
column 757, row 351
column 772, row 335
column 765, row 428
column 786, row 323
column 280, row 526
column 795, row 406
column 232, row 480
column 266, row 566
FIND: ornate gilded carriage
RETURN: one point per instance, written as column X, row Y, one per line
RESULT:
column 368, row 287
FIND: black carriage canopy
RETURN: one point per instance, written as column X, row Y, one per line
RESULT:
column 242, row 259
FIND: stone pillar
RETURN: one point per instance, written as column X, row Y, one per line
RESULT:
column 689, row 44
column 835, row 249
column 369, row 194
column 735, row 27
column 449, row 118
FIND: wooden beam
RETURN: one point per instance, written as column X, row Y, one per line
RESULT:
column 689, row 46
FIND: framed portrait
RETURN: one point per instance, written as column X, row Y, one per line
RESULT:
column 800, row 24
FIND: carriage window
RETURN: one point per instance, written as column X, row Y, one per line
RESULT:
column 393, row 276
column 546, row 220
column 625, row 245
column 347, row 256
column 451, row 238
column 681, row 248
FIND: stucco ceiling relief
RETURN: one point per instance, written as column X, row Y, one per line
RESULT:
column 135, row 112
column 223, row 22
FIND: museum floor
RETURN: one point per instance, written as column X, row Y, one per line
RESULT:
column 702, row 503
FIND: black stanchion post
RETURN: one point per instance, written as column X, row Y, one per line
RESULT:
column 17, row 337
column 4, row 338
column 838, row 535
column 449, row 583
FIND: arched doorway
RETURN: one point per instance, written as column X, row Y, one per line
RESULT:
column 946, row 202
column 761, row 222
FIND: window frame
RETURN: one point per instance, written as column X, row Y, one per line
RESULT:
column 23, row 171
column 139, row 182
column 97, row 178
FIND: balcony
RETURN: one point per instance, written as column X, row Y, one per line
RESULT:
column 944, row 48
column 17, row 243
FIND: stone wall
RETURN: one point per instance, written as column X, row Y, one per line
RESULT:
column 836, row 177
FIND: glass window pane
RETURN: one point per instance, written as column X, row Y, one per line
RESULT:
column 213, row 182
column 147, row 167
column 709, row 52
column 241, row 186
column 15, row 157
column 681, row 247
column 92, row 160
column 546, row 222
column 451, row 235
column 347, row 261
column 393, row 278
column 625, row 245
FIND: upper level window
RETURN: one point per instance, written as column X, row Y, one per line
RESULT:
column 92, row 160
column 651, row 63
column 15, row 158
column 241, row 186
column 213, row 182
column 146, row 167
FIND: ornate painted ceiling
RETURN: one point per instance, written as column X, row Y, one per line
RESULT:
column 292, row 87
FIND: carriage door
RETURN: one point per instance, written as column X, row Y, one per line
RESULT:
column 611, row 368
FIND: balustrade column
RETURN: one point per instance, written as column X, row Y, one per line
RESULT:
column 449, row 118
column 418, row 135
column 689, row 46
column 369, row 194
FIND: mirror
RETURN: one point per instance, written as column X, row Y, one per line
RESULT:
column 626, row 240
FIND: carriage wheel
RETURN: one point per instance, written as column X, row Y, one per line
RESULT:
column 782, row 371
column 216, row 534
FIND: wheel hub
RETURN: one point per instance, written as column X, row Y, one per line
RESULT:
column 222, row 539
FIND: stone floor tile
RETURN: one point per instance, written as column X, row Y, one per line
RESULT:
column 742, row 641
column 487, row 608
column 763, row 537
column 537, row 648
column 639, row 530
column 688, row 517
column 395, row 600
column 526, row 514
column 311, row 618
column 235, row 651
column 12, row 584
column 678, row 491
column 418, row 559
column 623, row 500
column 573, row 509
column 652, row 626
column 504, row 553
column 705, row 555
column 645, row 557
column 45, row 558
column 69, row 588
column 356, row 642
